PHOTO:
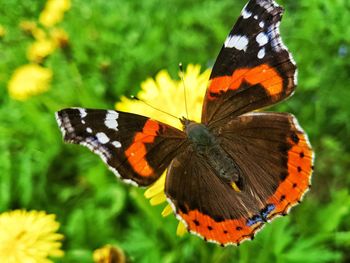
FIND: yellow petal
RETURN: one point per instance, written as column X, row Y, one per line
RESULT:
column 28, row 26
column 29, row 80
column 167, row 211
column 158, row 199
column 53, row 12
column 2, row 31
column 48, row 18
column 59, row 37
column 109, row 254
column 181, row 229
column 149, row 89
column 38, row 33
column 164, row 81
column 41, row 49
column 156, row 188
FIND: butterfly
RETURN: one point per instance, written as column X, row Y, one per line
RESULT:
column 238, row 168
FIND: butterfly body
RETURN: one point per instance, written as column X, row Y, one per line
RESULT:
column 207, row 146
column 237, row 169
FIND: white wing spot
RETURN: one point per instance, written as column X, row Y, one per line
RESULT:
column 276, row 41
column 111, row 120
column 262, row 24
column 238, row 42
column 102, row 137
column 89, row 130
column 261, row 53
column 262, row 39
column 116, row 144
column 267, row 8
column 256, row 17
column 82, row 112
column 245, row 13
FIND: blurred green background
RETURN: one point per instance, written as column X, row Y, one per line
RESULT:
column 109, row 48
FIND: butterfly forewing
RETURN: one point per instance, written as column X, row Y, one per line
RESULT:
column 254, row 68
column 135, row 148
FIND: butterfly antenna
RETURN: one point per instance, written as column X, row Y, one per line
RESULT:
column 149, row 105
column 184, row 87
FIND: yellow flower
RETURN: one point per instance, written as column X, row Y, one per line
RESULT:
column 60, row 37
column 167, row 94
column 27, row 25
column 109, row 254
column 29, row 237
column 53, row 12
column 29, row 80
column 40, row 49
column 2, row 31
column 31, row 27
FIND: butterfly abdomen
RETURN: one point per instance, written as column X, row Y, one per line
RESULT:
column 206, row 145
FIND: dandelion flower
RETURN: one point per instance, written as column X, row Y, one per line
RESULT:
column 29, row 80
column 29, row 237
column 60, row 37
column 2, row 31
column 167, row 94
column 53, row 12
column 31, row 27
column 27, row 25
column 109, row 254
column 40, row 49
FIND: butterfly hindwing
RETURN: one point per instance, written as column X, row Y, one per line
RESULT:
column 134, row 147
column 275, row 159
column 274, row 153
column 254, row 68
column 209, row 207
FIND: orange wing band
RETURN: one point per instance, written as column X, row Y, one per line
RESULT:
column 264, row 75
column 137, row 151
column 300, row 166
column 232, row 231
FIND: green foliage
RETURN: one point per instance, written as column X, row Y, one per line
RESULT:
column 113, row 47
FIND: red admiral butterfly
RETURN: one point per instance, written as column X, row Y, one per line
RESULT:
column 237, row 169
